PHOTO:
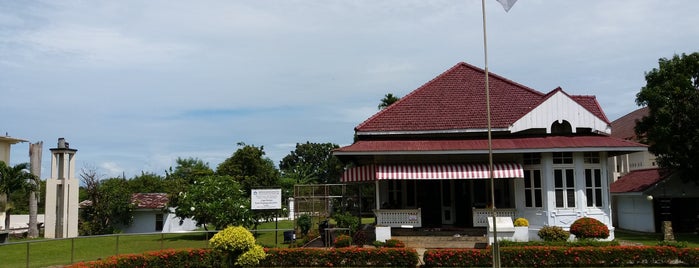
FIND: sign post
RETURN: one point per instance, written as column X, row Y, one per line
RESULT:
column 266, row 199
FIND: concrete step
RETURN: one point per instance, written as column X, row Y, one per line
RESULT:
column 441, row 241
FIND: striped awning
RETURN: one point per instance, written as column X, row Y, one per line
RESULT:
column 431, row 172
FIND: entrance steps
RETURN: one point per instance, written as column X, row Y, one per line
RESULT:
column 442, row 241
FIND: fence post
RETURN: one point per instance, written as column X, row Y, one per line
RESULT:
column 72, row 249
column 162, row 238
column 117, row 246
column 28, row 254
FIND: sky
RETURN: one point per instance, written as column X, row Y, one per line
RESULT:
column 133, row 85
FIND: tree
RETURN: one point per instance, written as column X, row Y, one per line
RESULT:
column 218, row 200
column 671, row 128
column 13, row 179
column 312, row 163
column 179, row 179
column 147, row 183
column 109, row 204
column 387, row 100
column 249, row 166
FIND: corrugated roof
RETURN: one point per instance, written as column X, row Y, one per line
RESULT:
column 638, row 180
column 455, row 100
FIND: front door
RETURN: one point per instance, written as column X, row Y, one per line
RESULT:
column 448, row 213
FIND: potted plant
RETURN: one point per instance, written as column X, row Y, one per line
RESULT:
column 521, row 230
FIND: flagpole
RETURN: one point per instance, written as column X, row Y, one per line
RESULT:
column 495, row 247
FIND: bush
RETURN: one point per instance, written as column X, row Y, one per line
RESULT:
column 521, row 222
column 359, row 238
column 553, row 233
column 304, row 222
column 676, row 244
column 342, row 241
column 585, row 228
column 577, row 243
column 239, row 245
column 394, row 243
column 346, row 220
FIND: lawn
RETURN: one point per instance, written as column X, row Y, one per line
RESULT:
column 49, row 252
column 652, row 239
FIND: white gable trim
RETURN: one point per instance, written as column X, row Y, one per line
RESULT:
column 560, row 107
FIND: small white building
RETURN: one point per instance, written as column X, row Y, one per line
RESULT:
column 151, row 214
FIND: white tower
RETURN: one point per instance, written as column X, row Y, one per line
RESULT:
column 61, row 217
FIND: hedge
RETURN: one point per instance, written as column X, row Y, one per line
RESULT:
column 290, row 257
column 538, row 256
column 164, row 258
column 351, row 256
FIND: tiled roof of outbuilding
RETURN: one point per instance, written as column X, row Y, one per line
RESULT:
column 638, row 180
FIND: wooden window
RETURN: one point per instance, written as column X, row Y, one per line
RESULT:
column 564, row 187
column 593, row 187
column 532, row 189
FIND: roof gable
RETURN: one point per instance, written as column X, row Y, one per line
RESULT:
column 558, row 106
column 455, row 102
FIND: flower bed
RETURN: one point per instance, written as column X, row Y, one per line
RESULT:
column 565, row 256
column 164, row 258
column 351, row 256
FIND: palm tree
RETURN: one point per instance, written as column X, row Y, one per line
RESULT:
column 13, row 179
column 387, row 100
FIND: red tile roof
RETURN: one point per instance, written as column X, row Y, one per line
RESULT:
column 638, row 180
column 140, row 201
column 149, row 200
column 623, row 127
column 455, row 100
column 547, row 142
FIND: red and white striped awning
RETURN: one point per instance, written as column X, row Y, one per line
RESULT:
column 431, row 172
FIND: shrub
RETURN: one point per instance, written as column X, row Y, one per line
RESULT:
column 394, row 243
column 346, row 220
column 304, row 222
column 553, row 233
column 239, row 245
column 521, row 222
column 359, row 238
column 676, row 244
column 584, row 228
column 378, row 243
column 342, row 241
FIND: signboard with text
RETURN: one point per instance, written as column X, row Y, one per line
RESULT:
column 266, row 199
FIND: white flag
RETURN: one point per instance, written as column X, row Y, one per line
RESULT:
column 507, row 4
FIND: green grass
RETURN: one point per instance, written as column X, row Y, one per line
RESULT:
column 49, row 252
column 266, row 234
column 652, row 239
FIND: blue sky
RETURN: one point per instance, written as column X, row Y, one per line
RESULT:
column 135, row 84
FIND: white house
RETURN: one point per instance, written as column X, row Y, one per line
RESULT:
column 427, row 154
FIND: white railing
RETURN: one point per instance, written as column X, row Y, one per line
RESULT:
column 399, row 217
column 481, row 215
